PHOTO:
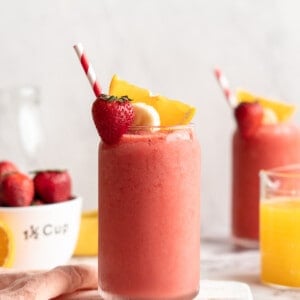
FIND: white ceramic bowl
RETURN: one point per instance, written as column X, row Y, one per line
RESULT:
column 45, row 235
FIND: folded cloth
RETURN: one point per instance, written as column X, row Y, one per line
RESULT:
column 45, row 285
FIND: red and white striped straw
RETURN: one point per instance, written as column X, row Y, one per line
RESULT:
column 88, row 69
column 223, row 82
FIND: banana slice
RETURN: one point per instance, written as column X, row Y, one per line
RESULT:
column 145, row 115
column 269, row 116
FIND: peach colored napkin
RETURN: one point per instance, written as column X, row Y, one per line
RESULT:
column 59, row 283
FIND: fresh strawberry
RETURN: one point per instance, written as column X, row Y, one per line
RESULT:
column 249, row 117
column 7, row 167
column 16, row 189
column 52, row 186
column 112, row 117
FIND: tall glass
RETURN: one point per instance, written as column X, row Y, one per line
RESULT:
column 280, row 226
column 271, row 146
column 149, row 214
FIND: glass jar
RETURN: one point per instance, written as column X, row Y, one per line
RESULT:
column 149, row 214
column 271, row 146
column 280, row 226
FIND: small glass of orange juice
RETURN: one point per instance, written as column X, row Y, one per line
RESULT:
column 280, row 226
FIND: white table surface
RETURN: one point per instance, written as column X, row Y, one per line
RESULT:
column 220, row 261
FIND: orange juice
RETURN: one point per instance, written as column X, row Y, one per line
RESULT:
column 280, row 241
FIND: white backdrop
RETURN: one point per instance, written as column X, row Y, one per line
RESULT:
column 169, row 46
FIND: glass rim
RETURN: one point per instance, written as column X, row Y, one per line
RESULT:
column 161, row 127
column 287, row 171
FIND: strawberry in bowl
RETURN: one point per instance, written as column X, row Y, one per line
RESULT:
column 52, row 186
column 16, row 189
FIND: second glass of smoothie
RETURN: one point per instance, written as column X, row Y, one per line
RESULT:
column 272, row 142
column 271, row 146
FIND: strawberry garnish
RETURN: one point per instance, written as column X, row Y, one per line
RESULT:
column 249, row 117
column 52, row 186
column 112, row 117
column 16, row 189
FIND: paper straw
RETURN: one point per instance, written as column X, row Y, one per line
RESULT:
column 88, row 69
column 223, row 82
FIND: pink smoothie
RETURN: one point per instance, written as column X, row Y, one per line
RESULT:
column 269, row 147
column 149, row 215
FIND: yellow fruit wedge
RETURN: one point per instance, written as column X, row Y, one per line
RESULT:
column 87, row 243
column 284, row 111
column 171, row 112
column 119, row 87
column 7, row 246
